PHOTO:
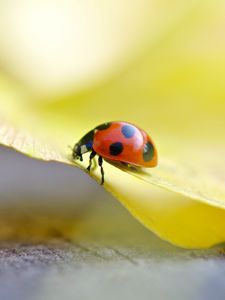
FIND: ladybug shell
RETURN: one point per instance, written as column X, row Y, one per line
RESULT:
column 124, row 142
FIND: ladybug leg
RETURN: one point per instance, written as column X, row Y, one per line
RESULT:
column 100, row 161
column 92, row 155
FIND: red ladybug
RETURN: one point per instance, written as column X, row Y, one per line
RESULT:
column 118, row 143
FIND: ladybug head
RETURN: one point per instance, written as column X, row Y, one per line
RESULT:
column 77, row 152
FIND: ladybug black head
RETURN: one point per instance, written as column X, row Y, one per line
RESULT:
column 77, row 152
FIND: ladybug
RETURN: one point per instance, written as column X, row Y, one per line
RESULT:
column 119, row 143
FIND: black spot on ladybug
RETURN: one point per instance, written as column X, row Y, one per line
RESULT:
column 148, row 151
column 116, row 148
column 103, row 126
column 128, row 131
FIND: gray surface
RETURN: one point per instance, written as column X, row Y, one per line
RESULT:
column 64, row 237
column 64, row 271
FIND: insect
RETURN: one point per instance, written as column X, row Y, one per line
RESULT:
column 118, row 143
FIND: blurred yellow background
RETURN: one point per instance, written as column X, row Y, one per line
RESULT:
column 157, row 64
